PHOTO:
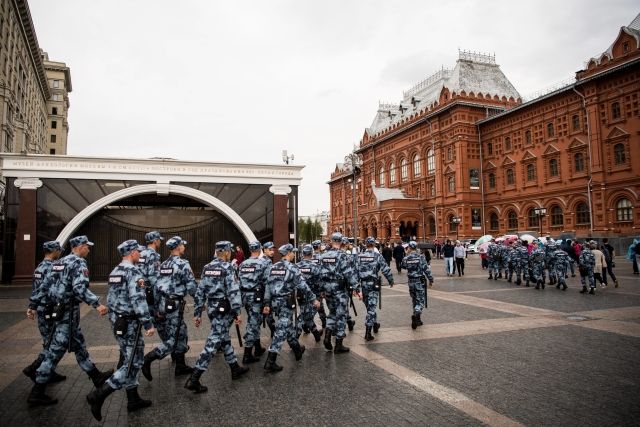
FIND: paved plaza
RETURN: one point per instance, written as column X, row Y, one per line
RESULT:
column 489, row 353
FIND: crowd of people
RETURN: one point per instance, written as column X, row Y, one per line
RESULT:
column 147, row 296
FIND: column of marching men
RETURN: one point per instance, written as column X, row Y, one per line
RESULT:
column 146, row 295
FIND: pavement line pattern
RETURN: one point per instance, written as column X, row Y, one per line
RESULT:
column 445, row 394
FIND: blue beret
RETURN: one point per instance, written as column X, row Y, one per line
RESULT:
column 125, row 248
column 175, row 241
column 79, row 240
column 307, row 250
column 413, row 244
column 268, row 245
column 223, row 245
column 336, row 237
column 51, row 246
column 152, row 235
column 285, row 249
column 370, row 241
column 254, row 246
column 316, row 244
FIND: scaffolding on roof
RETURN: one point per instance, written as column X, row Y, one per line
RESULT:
column 443, row 73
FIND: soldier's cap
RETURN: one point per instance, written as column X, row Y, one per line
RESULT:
column 152, row 235
column 413, row 245
column 370, row 241
column 255, row 246
column 268, row 245
column 336, row 237
column 285, row 249
column 125, row 248
column 307, row 250
column 52, row 246
column 79, row 240
column 345, row 240
column 316, row 244
column 223, row 245
column 175, row 241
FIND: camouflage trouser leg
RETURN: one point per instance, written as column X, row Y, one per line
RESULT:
column 370, row 298
column 44, row 327
column 321, row 311
column 218, row 339
column 169, row 345
column 588, row 277
column 337, row 319
column 552, row 273
column 416, row 290
column 254, row 319
column 285, row 329
column 538, row 272
column 307, row 314
column 119, row 378
column 560, row 273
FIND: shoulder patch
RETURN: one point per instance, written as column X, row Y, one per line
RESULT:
column 214, row 272
column 166, row 271
column 58, row 267
column 37, row 275
column 115, row 280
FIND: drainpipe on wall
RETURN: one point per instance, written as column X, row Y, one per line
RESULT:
column 586, row 115
column 433, row 149
column 484, row 231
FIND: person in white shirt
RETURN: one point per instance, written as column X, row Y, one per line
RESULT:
column 458, row 253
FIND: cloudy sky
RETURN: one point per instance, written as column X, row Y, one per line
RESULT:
column 240, row 81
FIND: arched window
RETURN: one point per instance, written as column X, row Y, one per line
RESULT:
column 451, row 184
column 381, row 177
column 575, row 122
column 431, row 162
column 493, row 221
column 556, row 215
column 404, row 169
column 550, row 131
column 507, row 144
column 527, row 137
column 615, row 111
column 492, row 180
column 417, row 169
column 392, row 173
column 532, row 218
column 449, row 153
column 578, row 162
column 432, row 225
column 511, row 179
column 582, row 213
column 490, row 148
column 624, row 210
column 452, row 225
column 619, row 154
column 553, row 167
column 512, row 220
column 432, row 190
column 531, row 172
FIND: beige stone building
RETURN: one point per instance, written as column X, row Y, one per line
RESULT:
column 59, row 80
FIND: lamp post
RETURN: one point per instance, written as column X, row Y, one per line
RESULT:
column 540, row 213
column 354, row 162
column 456, row 220
column 422, row 208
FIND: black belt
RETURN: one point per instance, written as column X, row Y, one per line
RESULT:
column 127, row 316
column 174, row 297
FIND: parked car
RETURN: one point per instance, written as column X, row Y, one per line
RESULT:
column 470, row 246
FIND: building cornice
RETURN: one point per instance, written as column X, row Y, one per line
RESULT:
column 29, row 33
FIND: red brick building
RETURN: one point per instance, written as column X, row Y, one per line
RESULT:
column 462, row 146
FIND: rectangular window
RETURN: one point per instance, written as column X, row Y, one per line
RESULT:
column 550, row 130
column 54, row 124
column 476, row 219
column 53, row 138
column 474, row 178
column 56, row 84
column 54, row 110
column 52, row 151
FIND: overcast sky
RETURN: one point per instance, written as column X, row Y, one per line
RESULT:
column 240, row 81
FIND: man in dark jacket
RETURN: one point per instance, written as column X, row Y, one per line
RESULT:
column 398, row 254
column 387, row 253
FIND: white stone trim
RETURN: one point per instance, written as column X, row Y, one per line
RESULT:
column 90, row 210
column 28, row 183
column 280, row 190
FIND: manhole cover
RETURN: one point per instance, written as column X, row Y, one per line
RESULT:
column 577, row 318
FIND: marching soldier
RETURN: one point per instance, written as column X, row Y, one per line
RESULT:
column 280, row 298
column 175, row 282
column 369, row 264
column 346, row 248
column 68, row 285
column 561, row 265
column 417, row 269
column 317, row 255
column 253, row 277
column 312, row 275
column 586, row 263
column 128, row 312
column 537, row 264
column 37, row 306
column 220, row 289
column 269, row 250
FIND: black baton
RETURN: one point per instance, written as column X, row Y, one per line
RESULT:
column 135, row 348
column 238, row 332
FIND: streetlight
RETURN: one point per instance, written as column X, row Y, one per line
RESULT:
column 540, row 212
column 456, row 220
column 354, row 162
column 422, row 208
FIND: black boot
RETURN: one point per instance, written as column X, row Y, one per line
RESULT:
column 38, row 398
column 30, row 371
column 518, row 282
column 339, row 347
column 146, row 367
column 248, row 356
column 538, row 284
column 323, row 320
column 327, row 339
column 376, row 327
column 419, row 320
column 490, row 276
column 258, row 349
column 193, row 383
column 584, row 290
column 495, row 277
column 270, row 365
column 500, row 275
column 298, row 350
column 134, row 401
column 237, row 371
column 592, row 291
column 181, row 366
column 98, row 377
column 558, row 285
column 564, row 286
column 542, row 285
column 56, row 378
column 96, row 399
column 414, row 322
column 317, row 334
column 367, row 334
column 351, row 324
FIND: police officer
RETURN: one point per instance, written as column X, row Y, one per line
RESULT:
column 521, row 263
column 68, row 285
column 317, row 254
column 284, row 281
column 338, row 278
column 149, row 265
column 417, row 269
column 586, row 263
column 220, row 289
column 38, row 303
column 128, row 312
column 369, row 264
column 347, row 249
column 492, row 253
column 175, row 282
column 268, row 250
column 253, row 277
column 312, row 275
column 550, row 263
column 537, row 264
column 561, row 265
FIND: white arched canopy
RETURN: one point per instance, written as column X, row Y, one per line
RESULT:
column 161, row 189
